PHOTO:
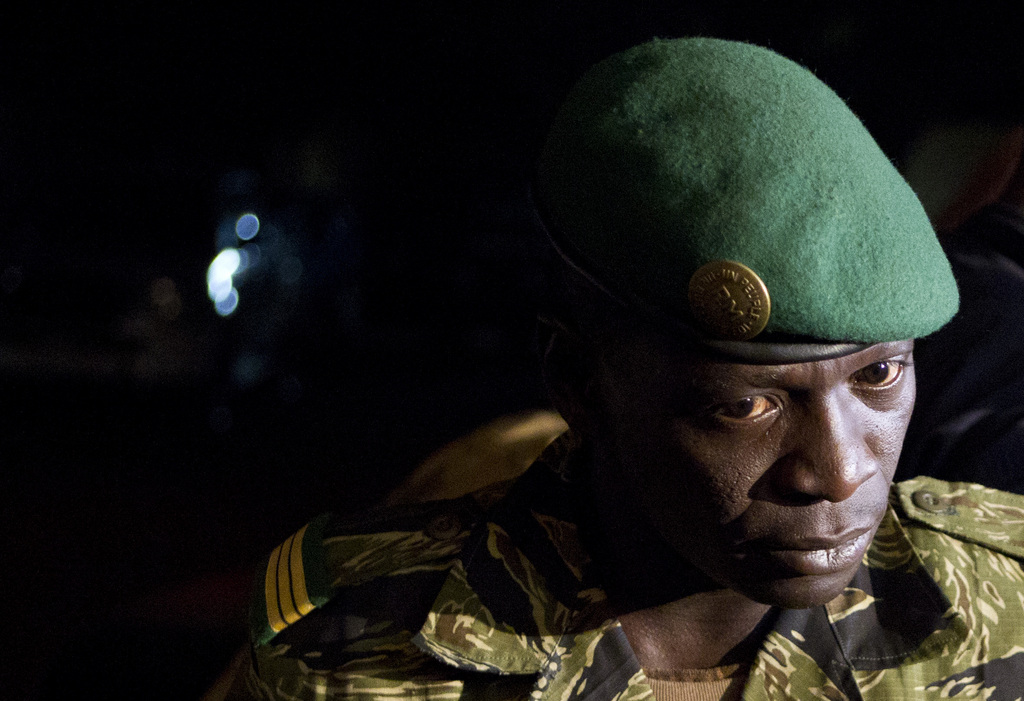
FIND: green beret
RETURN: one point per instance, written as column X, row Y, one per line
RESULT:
column 687, row 155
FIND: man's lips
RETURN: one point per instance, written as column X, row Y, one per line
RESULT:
column 811, row 555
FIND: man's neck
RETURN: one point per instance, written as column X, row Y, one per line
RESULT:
column 674, row 616
column 703, row 630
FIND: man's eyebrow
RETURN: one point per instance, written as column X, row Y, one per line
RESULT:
column 749, row 375
column 766, row 375
column 894, row 348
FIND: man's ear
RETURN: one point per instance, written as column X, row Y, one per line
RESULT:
column 569, row 363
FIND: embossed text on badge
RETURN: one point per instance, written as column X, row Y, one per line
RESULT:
column 729, row 300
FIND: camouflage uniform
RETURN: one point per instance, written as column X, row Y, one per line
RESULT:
column 492, row 596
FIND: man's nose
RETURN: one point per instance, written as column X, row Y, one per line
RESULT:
column 830, row 456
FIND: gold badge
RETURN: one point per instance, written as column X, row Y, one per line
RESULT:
column 729, row 300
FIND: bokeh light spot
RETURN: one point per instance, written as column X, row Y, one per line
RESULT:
column 218, row 275
column 228, row 304
column 247, row 226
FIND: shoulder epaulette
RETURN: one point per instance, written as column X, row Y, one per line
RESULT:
column 966, row 511
column 293, row 583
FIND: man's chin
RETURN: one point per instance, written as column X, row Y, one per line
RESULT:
column 798, row 592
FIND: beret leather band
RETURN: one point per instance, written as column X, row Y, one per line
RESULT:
column 760, row 352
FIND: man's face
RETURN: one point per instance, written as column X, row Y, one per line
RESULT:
column 770, row 479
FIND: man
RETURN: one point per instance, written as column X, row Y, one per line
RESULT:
column 745, row 272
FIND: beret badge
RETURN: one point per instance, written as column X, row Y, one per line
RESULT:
column 729, row 301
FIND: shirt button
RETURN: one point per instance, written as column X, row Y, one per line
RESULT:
column 930, row 501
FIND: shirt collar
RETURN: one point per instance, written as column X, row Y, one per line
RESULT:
column 521, row 592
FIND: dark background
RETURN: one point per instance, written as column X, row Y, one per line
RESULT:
column 152, row 450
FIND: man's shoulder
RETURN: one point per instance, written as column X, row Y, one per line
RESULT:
column 358, row 561
column 969, row 540
column 386, row 541
column 964, row 512
column 351, row 592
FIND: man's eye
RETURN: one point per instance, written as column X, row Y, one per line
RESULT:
column 882, row 374
column 745, row 409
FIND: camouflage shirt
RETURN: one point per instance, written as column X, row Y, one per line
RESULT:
column 492, row 596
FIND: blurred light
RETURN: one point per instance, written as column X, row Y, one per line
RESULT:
column 218, row 275
column 248, row 369
column 247, row 226
column 227, row 305
column 253, row 254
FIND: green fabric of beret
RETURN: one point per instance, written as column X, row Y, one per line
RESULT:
column 679, row 152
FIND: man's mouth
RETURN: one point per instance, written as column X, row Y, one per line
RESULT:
column 813, row 555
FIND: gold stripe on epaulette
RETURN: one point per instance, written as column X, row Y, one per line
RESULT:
column 270, row 593
column 285, row 584
column 299, row 593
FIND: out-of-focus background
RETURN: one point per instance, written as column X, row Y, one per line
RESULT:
column 258, row 263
